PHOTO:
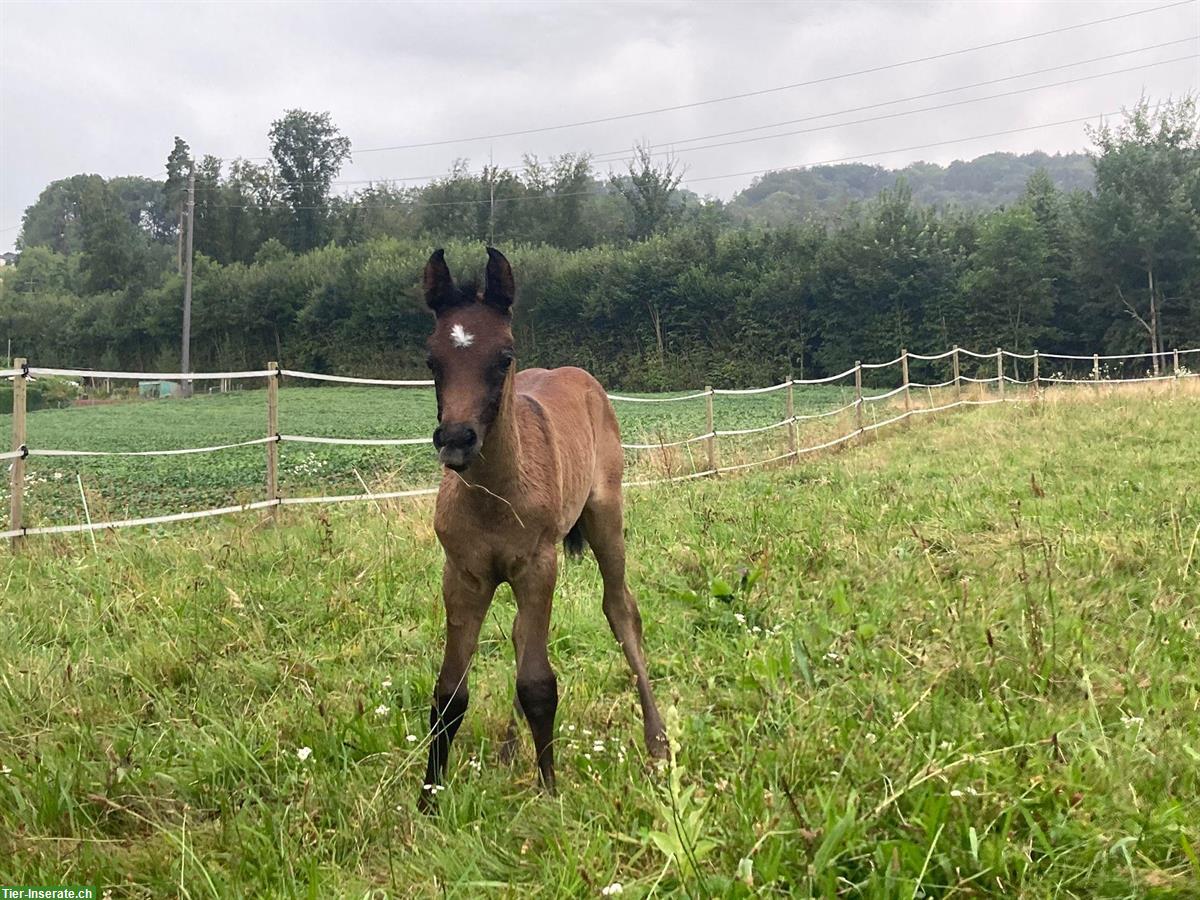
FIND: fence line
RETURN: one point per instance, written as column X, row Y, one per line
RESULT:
column 695, row 396
column 180, row 452
column 761, row 390
column 34, row 371
column 23, row 372
column 346, row 379
column 354, row 442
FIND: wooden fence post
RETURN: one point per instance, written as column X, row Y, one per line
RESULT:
column 957, row 375
column 1096, row 370
column 904, row 373
column 1037, row 389
column 790, row 413
column 711, row 442
column 858, row 398
column 17, row 482
column 1000, row 371
column 1176, row 363
column 273, row 432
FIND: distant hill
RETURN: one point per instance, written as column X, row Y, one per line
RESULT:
column 820, row 192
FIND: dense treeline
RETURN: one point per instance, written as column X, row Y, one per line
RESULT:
column 824, row 192
column 643, row 284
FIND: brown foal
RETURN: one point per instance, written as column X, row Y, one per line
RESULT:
column 532, row 458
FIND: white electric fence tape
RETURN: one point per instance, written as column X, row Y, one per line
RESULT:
column 656, row 399
column 355, row 442
column 34, row 371
column 346, row 379
column 761, row 390
column 418, row 492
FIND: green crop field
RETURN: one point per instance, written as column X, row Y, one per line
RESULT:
column 957, row 660
column 126, row 487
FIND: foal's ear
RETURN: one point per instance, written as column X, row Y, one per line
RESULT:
column 440, row 292
column 499, row 289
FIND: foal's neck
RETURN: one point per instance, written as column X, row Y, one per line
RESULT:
column 498, row 467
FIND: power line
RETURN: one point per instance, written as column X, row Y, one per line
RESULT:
column 600, row 157
column 926, row 95
column 539, row 197
column 909, row 112
column 624, row 153
column 977, row 137
column 772, row 90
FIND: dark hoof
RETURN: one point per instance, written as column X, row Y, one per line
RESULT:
column 427, row 800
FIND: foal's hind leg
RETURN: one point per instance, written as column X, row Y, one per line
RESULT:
column 467, row 599
column 603, row 525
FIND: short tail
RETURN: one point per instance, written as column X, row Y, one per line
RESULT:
column 575, row 541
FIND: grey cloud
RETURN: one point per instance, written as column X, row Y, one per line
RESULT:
column 103, row 87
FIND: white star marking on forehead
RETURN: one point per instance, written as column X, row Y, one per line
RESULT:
column 461, row 337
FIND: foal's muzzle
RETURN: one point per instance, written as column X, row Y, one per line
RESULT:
column 457, row 445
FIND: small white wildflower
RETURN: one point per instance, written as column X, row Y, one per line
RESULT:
column 304, row 753
column 570, row 728
column 956, row 793
column 433, row 788
column 411, row 738
column 1132, row 721
column 587, row 756
column 382, row 710
column 612, row 890
column 5, row 770
column 740, row 618
column 871, row 737
column 387, row 683
column 475, row 764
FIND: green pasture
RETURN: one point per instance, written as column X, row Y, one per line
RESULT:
column 960, row 659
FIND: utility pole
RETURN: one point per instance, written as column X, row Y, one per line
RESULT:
column 187, row 286
column 492, row 196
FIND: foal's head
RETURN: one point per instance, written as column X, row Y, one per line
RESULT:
column 470, row 354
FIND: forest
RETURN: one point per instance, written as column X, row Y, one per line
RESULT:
column 630, row 275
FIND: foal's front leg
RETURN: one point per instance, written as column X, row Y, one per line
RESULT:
column 466, row 599
column 537, row 688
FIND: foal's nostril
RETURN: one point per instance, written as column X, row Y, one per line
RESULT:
column 455, row 437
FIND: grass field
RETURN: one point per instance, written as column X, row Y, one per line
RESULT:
column 960, row 659
column 125, row 487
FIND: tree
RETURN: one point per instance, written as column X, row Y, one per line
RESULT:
column 1145, row 220
column 567, row 183
column 110, row 242
column 309, row 152
column 179, row 164
column 649, row 190
column 54, row 220
column 1006, row 287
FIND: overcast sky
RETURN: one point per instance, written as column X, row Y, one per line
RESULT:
column 104, row 87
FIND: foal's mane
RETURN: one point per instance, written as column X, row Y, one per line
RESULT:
column 466, row 293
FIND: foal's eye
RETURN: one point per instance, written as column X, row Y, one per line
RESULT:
column 505, row 361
